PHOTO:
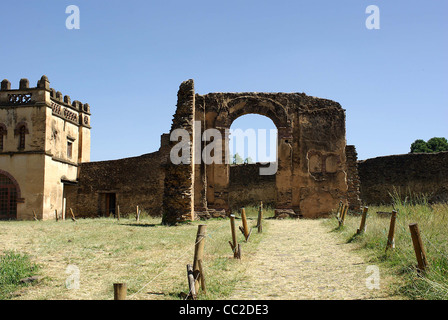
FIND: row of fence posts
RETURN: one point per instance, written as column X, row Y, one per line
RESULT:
column 417, row 242
column 195, row 271
column 56, row 215
column 137, row 214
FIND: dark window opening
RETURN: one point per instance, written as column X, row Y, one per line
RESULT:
column 2, row 133
column 69, row 149
column 22, row 132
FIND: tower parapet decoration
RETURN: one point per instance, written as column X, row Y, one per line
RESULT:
column 41, row 126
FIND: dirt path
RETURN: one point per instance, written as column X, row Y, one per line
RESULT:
column 303, row 259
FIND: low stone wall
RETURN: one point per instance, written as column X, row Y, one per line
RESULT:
column 136, row 181
column 247, row 187
column 408, row 174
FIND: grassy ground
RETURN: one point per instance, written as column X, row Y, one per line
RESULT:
column 433, row 226
column 149, row 257
column 14, row 267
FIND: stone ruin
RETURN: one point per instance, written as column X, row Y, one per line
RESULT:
column 316, row 170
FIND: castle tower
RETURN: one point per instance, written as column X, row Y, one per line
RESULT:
column 43, row 139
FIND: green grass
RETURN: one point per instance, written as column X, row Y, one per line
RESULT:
column 401, row 261
column 150, row 257
column 14, row 267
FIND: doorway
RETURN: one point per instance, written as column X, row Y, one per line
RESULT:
column 110, row 204
column 8, row 198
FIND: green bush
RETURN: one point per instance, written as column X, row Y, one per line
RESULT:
column 13, row 267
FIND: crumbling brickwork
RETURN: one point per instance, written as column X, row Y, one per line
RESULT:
column 247, row 187
column 178, row 191
column 135, row 181
column 353, row 181
column 311, row 167
column 409, row 174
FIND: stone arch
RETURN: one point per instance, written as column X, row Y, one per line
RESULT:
column 225, row 112
column 304, row 123
column 240, row 106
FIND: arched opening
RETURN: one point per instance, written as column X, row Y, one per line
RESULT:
column 252, row 145
column 8, row 197
column 252, row 139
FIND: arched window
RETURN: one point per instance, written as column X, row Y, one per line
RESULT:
column 21, row 130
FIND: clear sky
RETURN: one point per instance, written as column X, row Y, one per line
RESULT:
column 128, row 59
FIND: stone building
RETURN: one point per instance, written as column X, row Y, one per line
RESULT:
column 44, row 136
column 45, row 151
column 311, row 176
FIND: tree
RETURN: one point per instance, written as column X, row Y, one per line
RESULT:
column 237, row 159
column 248, row 160
column 432, row 145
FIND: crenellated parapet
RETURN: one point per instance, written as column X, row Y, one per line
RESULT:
column 62, row 106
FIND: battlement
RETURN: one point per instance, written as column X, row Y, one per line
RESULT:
column 43, row 95
column 25, row 95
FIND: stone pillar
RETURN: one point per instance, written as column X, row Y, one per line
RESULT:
column 178, row 198
column 353, row 182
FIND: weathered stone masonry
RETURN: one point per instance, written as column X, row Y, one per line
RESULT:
column 313, row 164
column 311, row 176
column 408, row 174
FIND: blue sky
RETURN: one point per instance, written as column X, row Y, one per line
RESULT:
column 129, row 57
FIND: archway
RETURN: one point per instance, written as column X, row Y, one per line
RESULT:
column 9, row 193
column 252, row 145
column 221, row 115
column 306, row 125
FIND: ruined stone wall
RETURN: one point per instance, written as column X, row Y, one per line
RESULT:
column 247, row 187
column 311, row 176
column 353, row 182
column 421, row 173
column 178, row 190
column 136, row 181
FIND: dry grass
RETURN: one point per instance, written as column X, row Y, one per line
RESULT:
column 149, row 257
column 433, row 225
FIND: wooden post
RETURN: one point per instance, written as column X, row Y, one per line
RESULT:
column 198, row 252
column 260, row 217
column 342, row 216
column 191, row 283
column 245, row 229
column 338, row 215
column 120, row 290
column 137, row 217
column 391, row 237
column 56, row 214
column 418, row 247
column 118, row 213
column 362, row 227
column 73, row 215
column 234, row 245
column 201, row 271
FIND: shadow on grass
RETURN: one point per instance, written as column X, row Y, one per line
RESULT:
column 146, row 225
